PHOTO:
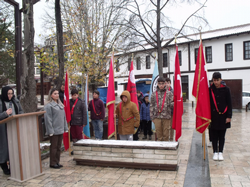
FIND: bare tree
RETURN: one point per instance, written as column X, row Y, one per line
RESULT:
column 93, row 30
column 28, row 84
column 144, row 29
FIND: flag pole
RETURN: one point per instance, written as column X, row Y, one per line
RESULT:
column 204, row 144
column 70, row 150
column 114, row 103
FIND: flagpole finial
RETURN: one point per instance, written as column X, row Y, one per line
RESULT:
column 200, row 28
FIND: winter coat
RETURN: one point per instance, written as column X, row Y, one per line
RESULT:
column 55, row 120
column 166, row 111
column 140, row 100
column 61, row 95
column 4, row 153
column 79, row 116
column 145, row 110
column 171, row 90
column 99, row 108
column 223, row 99
column 128, row 110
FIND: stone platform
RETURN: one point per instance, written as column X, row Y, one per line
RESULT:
column 128, row 154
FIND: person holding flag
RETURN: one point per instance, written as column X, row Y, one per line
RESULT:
column 128, row 117
column 78, row 116
column 160, row 109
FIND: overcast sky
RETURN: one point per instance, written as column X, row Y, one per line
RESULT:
column 219, row 13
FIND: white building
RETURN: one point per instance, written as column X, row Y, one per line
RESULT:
column 226, row 50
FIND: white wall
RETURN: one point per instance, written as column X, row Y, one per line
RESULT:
column 218, row 62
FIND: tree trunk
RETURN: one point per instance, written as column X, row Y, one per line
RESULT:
column 158, row 31
column 59, row 36
column 28, row 84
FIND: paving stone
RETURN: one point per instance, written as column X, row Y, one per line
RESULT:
column 154, row 182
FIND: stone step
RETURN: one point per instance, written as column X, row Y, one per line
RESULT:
column 134, row 154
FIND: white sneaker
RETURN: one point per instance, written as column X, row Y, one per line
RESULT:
column 221, row 156
column 216, row 157
column 209, row 144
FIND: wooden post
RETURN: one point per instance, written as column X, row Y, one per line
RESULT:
column 246, row 107
column 204, row 144
column 70, row 150
column 115, row 126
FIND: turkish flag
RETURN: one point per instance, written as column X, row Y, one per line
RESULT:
column 131, row 87
column 111, row 100
column 178, row 100
column 201, row 93
column 67, row 111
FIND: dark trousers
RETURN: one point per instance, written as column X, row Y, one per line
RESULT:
column 76, row 132
column 140, row 127
column 147, row 125
column 218, row 135
column 210, row 134
column 55, row 149
column 4, row 166
column 135, row 136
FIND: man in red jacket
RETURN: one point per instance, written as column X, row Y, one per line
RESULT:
column 97, row 116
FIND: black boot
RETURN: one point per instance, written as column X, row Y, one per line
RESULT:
column 150, row 137
column 5, row 169
column 145, row 137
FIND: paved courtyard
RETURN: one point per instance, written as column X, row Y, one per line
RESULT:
column 233, row 171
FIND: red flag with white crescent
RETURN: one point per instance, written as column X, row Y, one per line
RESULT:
column 178, row 100
column 201, row 93
column 131, row 87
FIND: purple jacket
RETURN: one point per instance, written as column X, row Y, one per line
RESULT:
column 99, row 108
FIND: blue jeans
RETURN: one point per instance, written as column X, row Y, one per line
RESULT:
column 98, row 128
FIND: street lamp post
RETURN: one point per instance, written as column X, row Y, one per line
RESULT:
column 18, row 43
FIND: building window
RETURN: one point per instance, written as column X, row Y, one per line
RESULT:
column 209, row 54
column 228, row 52
column 129, row 63
column 147, row 62
column 37, row 71
column 138, row 63
column 115, row 85
column 247, row 50
column 117, row 68
column 165, row 60
column 180, row 60
column 196, row 50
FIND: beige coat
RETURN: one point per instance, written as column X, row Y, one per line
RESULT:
column 129, row 109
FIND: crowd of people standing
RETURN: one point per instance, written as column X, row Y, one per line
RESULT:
column 157, row 109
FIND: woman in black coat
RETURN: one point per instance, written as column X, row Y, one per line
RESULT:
column 221, row 114
column 9, row 106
